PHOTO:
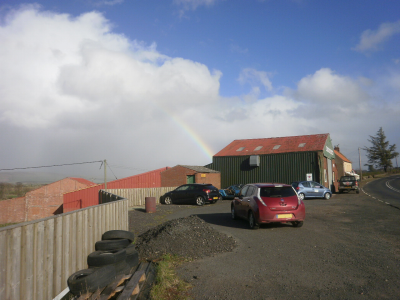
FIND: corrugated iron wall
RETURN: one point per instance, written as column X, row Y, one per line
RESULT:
column 90, row 196
column 282, row 168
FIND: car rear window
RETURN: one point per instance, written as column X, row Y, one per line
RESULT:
column 284, row 191
column 211, row 187
column 347, row 178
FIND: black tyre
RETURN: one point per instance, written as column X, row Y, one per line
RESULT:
column 118, row 234
column 302, row 196
column 233, row 213
column 200, row 201
column 327, row 196
column 297, row 223
column 357, row 191
column 252, row 221
column 90, row 280
column 167, row 200
column 103, row 258
column 132, row 257
column 109, row 245
column 340, row 191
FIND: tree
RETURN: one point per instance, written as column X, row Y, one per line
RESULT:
column 381, row 153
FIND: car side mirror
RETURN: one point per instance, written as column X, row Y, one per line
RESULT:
column 240, row 196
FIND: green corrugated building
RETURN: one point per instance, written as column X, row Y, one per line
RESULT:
column 279, row 159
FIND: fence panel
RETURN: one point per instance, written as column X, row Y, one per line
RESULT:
column 137, row 196
column 37, row 257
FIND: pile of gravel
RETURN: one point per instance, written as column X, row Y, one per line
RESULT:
column 188, row 237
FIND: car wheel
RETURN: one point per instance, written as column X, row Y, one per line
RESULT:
column 200, row 201
column 301, row 196
column 252, row 221
column 167, row 200
column 233, row 213
column 297, row 223
column 357, row 191
column 327, row 196
column 340, row 191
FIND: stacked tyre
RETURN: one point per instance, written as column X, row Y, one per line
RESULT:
column 115, row 255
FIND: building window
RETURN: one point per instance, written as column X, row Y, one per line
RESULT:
column 258, row 148
column 240, row 149
column 276, row 147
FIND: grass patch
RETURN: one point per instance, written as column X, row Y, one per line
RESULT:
column 167, row 285
column 7, row 224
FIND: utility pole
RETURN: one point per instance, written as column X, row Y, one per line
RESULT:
column 359, row 156
column 105, row 175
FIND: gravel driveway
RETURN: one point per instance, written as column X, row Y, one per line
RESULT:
column 348, row 248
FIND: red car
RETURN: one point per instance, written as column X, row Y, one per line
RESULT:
column 268, row 202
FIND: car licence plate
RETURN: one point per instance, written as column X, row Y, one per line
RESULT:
column 284, row 216
column 215, row 198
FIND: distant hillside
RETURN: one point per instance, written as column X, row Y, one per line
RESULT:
column 30, row 177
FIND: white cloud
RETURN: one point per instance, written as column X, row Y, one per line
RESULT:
column 72, row 90
column 254, row 77
column 371, row 40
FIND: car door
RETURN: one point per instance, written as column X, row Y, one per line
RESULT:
column 248, row 201
column 179, row 194
column 239, row 207
column 318, row 189
column 307, row 190
column 191, row 192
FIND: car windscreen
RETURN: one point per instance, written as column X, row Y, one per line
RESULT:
column 284, row 191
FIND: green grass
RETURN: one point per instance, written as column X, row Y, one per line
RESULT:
column 7, row 224
column 168, row 286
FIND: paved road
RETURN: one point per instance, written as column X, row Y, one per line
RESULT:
column 385, row 190
column 348, row 248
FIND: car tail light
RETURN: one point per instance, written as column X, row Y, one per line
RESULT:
column 261, row 200
column 297, row 188
column 356, row 183
column 207, row 191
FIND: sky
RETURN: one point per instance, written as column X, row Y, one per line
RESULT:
column 146, row 84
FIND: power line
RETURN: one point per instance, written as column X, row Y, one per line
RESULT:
column 81, row 163
column 111, row 170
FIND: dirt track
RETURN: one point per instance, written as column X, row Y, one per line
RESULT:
column 348, row 248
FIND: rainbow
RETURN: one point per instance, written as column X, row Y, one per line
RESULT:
column 191, row 133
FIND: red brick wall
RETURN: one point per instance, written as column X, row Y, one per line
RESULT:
column 12, row 210
column 176, row 176
column 47, row 200
column 43, row 202
column 213, row 178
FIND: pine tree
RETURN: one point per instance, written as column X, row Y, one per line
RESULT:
column 381, row 153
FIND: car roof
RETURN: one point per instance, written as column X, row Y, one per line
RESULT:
column 267, row 184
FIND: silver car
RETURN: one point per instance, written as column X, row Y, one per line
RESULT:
column 311, row 189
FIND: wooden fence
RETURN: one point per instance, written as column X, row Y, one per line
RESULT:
column 36, row 258
column 136, row 197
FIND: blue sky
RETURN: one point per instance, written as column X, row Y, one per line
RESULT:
column 173, row 82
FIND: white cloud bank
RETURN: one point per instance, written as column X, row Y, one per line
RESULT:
column 372, row 40
column 71, row 90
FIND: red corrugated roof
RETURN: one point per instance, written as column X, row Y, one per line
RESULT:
column 315, row 142
column 344, row 158
column 83, row 181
